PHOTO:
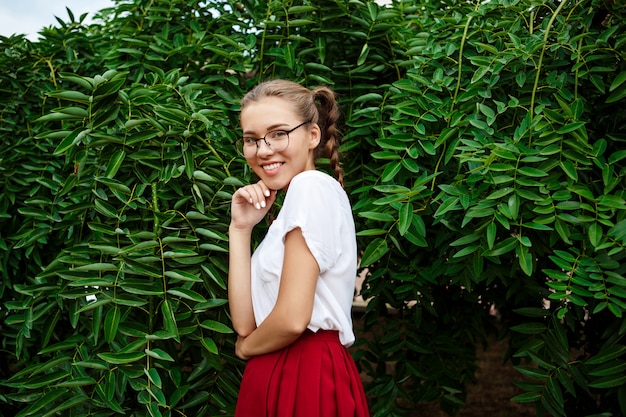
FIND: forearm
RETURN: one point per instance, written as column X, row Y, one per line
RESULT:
column 275, row 333
column 239, row 284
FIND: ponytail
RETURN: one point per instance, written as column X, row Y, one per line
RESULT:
column 328, row 112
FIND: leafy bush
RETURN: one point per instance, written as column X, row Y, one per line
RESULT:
column 512, row 196
column 483, row 157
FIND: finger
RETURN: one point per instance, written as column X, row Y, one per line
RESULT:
column 266, row 190
column 271, row 197
column 256, row 196
column 242, row 196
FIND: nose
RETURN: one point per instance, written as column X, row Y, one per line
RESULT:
column 263, row 148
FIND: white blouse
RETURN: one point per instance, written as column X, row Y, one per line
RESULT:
column 316, row 203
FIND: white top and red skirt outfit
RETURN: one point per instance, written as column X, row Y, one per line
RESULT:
column 315, row 376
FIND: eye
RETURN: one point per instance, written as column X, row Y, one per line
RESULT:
column 278, row 134
column 247, row 140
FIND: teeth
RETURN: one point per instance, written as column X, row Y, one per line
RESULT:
column 271, row 166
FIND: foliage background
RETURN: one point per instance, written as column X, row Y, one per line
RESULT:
column 484, row 157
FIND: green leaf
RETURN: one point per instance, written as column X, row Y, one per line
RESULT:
column 448, row 204
column 500, row 193
column 363, row 55
column 531, row 172
column 211, row 234
column 71, row 140
column 595, row 234
column 169, row 321
column 42, row 403
column 382, row 217
column 182, row 276
column 216, row 326
column 571, row 127
column 390, row 171
column 465, row 240
column 617, row 81
column 209, row 345
column 111, row 323
column 159, row 354
column 532, row 372
column 532, row 311
column 569, row 168
column 374, row 251
column 610, row 381
column 99, row 267
column 289, row 56
column 178, row 395
column 527, row 397
column 186, row 294
column 121, row 358
column 77, row 382
column 610, row 368
column 66, row 405
column 92, row 364
column 617, row 95
column 607, row 354
column 115, row 163
column 466, row 251
column 367, row 97
column 39, row 382
column 491, row 234
column 212, row 303
column 529, row 328
column 153, row 376
column 405, row 214
column 611, row 201
column 502, row 247
column 525, row 259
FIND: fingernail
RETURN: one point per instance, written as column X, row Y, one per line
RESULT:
column 267, row 193
column 250, row 200
column 262, row 203
column 257, row 205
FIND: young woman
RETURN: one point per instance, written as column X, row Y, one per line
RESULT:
column 291, row 301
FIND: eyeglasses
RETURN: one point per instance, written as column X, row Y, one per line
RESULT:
column 276, row 140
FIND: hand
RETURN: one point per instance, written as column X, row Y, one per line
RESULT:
column 250, row 204
column 239, row 348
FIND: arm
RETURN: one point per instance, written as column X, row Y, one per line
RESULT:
column 249, row 205
column 294, row 306
column 239, row 292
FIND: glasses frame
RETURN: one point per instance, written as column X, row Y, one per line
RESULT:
column 256, row 140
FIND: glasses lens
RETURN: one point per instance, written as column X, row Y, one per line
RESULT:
column 277, row 140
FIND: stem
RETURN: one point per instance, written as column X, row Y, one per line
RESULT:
column 539, row 64
column 155, row 207
column 460, row 66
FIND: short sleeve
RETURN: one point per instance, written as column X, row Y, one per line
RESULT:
column 312, row 205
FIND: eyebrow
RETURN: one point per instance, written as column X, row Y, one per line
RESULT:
column 269, row 128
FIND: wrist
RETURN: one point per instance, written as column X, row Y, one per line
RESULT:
column 245, row 230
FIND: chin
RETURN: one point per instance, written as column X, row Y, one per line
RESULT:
column 274, row 184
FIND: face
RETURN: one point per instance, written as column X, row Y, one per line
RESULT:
column 276, row 169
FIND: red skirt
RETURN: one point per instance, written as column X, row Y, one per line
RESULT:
column 313, row 377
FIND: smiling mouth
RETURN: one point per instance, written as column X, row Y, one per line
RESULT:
column 271, row 167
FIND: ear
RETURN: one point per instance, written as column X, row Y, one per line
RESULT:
column 316, row 136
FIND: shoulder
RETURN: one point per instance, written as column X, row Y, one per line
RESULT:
column 315, row 180
column 316, row 190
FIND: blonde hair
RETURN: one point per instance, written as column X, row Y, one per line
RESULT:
column 318, row 105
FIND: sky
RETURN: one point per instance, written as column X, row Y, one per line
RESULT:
column 30, row 16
